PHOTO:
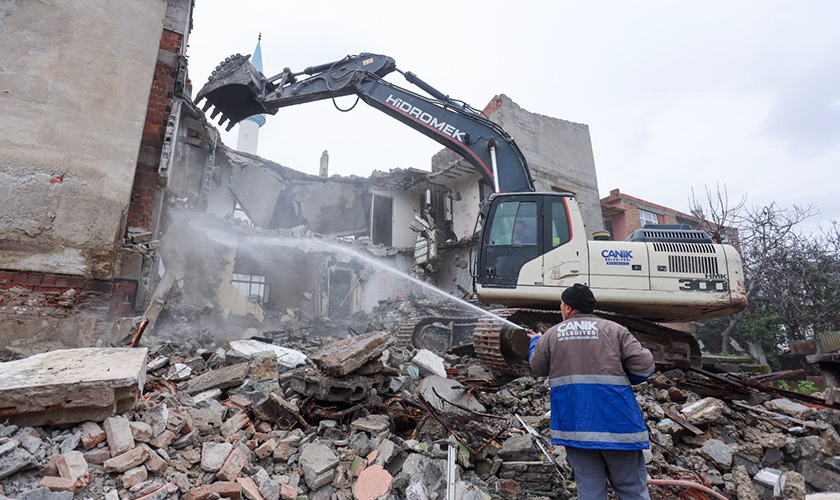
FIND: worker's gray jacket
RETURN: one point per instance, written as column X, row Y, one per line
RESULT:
column 591, row 362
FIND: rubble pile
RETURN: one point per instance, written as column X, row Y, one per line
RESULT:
column 358, row 418
column 754, row 445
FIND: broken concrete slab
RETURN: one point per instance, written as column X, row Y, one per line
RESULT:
column 222, row 378
column 429, row 363
column 342, row 358
column 441, row 392
column 790, row 408
column 287, row 358
column 71, row 385
column 312, row 383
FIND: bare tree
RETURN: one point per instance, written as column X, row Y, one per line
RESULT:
column 722, row 215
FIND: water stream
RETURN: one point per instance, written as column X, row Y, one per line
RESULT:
column 223, row 236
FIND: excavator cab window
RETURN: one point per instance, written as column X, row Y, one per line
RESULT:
column 561, row 229
column 512, row 239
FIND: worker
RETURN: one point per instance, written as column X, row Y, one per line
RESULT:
column 591, row 363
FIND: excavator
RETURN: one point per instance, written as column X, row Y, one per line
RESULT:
column 531, row 245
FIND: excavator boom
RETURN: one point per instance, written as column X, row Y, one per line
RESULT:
column 237, row 90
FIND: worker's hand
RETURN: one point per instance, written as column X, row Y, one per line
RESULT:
column 533, row 334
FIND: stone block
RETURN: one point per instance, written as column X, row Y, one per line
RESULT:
column 135, row 475
column 342, row 358
column 118, row 433
column 127, row 460
column 213, row 455
column 222, row 378
column 318, row 463
column 71, row 385
column 236, row 461
column 91, row 434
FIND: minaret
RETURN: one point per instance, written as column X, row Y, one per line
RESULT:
column 249, row 128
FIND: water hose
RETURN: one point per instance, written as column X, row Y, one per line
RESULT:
column 686, row 484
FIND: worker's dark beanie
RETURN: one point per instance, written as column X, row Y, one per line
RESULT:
column 579, row 297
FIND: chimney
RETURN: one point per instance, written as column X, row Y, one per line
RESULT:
column 614, row 193
column 324, row 170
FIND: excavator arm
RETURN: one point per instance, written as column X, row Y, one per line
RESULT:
column 237, row 90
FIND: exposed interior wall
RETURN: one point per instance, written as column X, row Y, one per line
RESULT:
column 405, row 205
column 465, row 209
column 66, row 187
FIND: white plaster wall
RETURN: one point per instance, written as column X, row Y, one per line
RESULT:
column 406, row 205
column 379, row 284
column 74, row 86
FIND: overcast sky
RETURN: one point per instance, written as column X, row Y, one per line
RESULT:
column 676, row 94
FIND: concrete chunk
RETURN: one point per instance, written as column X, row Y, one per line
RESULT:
column 790, row 408
column 72, row 385
column 72, row 465
column 429, row 363
column 141, row 431
column 346, row 356
column 705, row 411
column 118, row 433
column 223, row 378
column 213, row 455
column 135, row 475
column 318, row 463
column 157, row 417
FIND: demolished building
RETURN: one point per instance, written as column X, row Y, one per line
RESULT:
column 81, row 232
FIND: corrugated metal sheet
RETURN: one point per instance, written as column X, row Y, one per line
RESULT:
column 829, row 342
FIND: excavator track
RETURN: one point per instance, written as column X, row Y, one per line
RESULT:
column 420, row 331
column 504, row 349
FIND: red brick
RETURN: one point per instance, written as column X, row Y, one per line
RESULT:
column 234, row 464
column 225, row 489
column 62, row 484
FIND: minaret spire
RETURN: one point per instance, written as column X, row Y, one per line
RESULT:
column 249, row 128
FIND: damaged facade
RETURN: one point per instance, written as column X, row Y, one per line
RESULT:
column 81, row 234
